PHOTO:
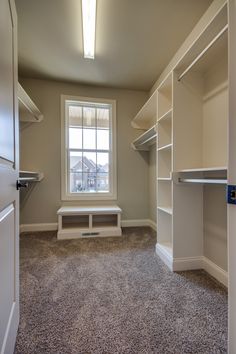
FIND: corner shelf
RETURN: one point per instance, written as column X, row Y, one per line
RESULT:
column 165, row 147
column 145, row 140
column 166, row 116
column 28, row 111
column 146, row 117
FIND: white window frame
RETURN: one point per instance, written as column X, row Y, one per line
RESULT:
column 65, row 194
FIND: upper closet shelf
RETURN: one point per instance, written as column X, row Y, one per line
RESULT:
column 144, row 141
column 147, row 115
column 28, row 111
column 213, row 39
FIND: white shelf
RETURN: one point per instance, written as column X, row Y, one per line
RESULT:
column 205, row 169
column 28, row 111
column 165, row 209
column 145, row 140
column 166, row 116
column 165, row 147
column 30, row 176
column 166, row 179
column 203, row 180
column 146, row 117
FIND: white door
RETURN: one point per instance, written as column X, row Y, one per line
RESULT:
column 9, row 168
column 232, row 176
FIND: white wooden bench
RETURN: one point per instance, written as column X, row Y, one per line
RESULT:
column 88, row 221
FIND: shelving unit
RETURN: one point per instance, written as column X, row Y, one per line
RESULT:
column 146, row 120
column 164, row 247
column 28, row 111
column 192, row 151
column 89, row 221
column 190, row 110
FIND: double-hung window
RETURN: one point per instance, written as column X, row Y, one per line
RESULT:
column 88, row 149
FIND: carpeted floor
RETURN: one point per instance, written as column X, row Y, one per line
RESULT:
column 113, row 295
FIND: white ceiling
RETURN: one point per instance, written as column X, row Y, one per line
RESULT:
column 135, row 39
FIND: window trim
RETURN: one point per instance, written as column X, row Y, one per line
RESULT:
column 65, row 196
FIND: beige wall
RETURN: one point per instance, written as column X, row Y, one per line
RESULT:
column 40, row 151
column 152, row 184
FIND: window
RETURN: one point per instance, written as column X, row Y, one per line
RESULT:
column 88, row 149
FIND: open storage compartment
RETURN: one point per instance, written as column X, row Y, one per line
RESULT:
column 75, row 221
column 104, row 220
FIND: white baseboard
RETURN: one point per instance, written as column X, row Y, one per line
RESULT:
column 188, row 263
column 38, row 227
column 153, row 225
column 54, row 226
column 138, row 222
column 191, row 263
column 217, row 272
column 165, row 256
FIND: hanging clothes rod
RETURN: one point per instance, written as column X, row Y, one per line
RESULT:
column 203, row 52
column 203, row 180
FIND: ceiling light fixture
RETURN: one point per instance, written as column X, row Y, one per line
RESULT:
column 89, row 24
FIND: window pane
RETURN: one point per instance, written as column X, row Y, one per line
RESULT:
column 89, row 139
column 89, row 117
column 76, row 182
column 102, row 162
column 75, row 162
column 102, row 117
column 75, row 116
column 75, row 138
column 102, row 139
column 102, row 182
column 89, row 131
column 89, row 162
column 89, row 182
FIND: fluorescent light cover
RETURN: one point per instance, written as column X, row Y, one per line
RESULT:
column 89, row 21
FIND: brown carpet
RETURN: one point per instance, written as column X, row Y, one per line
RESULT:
column 114, row 295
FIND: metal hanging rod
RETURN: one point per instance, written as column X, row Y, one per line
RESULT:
column 203, row 180
column 203, row 52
